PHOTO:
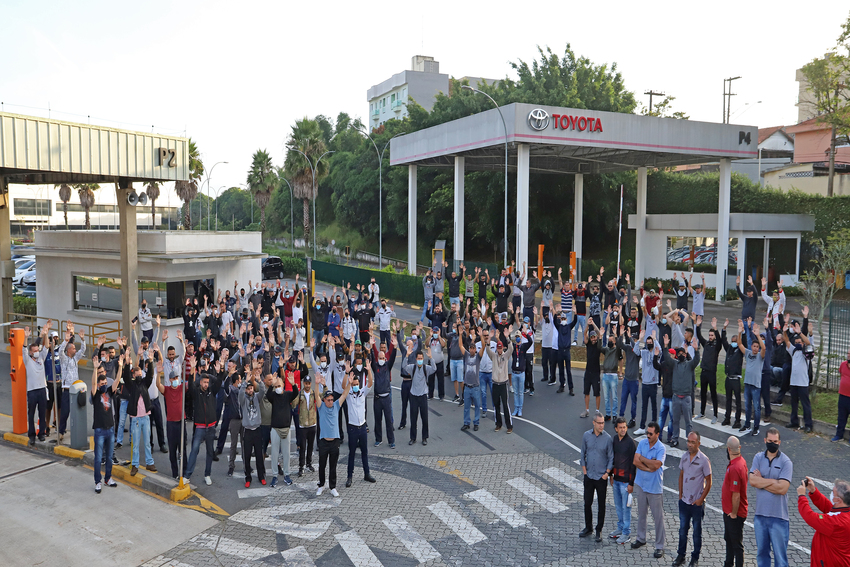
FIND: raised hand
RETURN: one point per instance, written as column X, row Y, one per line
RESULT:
column 805, row 311
column 27, row 332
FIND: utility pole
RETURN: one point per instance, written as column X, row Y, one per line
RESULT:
column 727, row 98
column 651, row 93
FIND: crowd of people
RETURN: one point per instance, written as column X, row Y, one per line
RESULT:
column 245, row 365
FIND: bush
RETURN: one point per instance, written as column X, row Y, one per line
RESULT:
column 24, row 305
column 793, row 291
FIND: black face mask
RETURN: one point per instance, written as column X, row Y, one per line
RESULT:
column 649, row 346
column 728, row 455
column 772, row 447
column 681, row 358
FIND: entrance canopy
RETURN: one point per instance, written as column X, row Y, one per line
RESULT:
column 549, row 139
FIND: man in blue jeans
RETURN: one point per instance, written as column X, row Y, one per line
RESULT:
column 754, row 361
column 623, row 480
column 770, row 476
column 694, row 486
column 102, row 424
column 137, row 381
column 485, row 369
column 471, row 383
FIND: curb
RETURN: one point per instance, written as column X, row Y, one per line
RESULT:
column 151, row 483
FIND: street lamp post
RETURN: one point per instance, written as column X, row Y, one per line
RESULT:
column 200, row 205
column 291, row 220
column 313, row 172
column 216, row 206
column 467, row 87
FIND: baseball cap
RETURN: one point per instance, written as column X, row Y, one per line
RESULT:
column 526, row 319
column 672, row 351
column 327, row 393
column 306, row 378
column 277, row 349
column 435, row 329
column 358, row 342
column 54, row 334
column 592, row 334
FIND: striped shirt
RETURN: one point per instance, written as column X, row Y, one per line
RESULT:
column 566, row 299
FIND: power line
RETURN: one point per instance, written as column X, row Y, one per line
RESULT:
column 651, row 94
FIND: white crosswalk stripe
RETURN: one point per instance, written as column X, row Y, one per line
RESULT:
column 297, row 557
column 462, row 527
column 548, row 502
column 231, row 547
column 357, row 550
column 417, row 545
column 566, row 479
column 499, row 508
column 259, row 518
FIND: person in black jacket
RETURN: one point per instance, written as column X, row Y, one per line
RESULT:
column 565, row 332
column 708, row 375
column 734, row 365
column 364, row 315
column 502, row 293
column 623, row 480
column 137, row 380
column 382, row 365
column 203, row 391
column 281, row 399
column 665, row 375
column 190, row 318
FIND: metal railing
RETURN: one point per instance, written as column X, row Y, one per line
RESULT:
column 110, row 330
column 837, row 341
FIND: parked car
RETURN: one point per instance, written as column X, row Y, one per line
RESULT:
column 272, row 268
column 25, row 269
column 28, row 291
column 27, row 279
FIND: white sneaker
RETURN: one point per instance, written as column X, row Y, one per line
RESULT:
column 185, row 481
column 208, row 480
column 97, row 488
column 638, row 432
column 320, row 490
column 585, row 413
column 334, row 493
column 574, row 343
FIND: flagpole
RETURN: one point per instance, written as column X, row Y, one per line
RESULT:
column 620, row 237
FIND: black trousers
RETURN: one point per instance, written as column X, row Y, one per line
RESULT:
column 357, row 440
column 648, row 394
column 252, row 439
column 328, row 451
column 733, row 533
column 500, row 403
column 766, row 379
column 529, row 371
column 550, row 359
column 405, row 399
column 708, row 381
column 801, row 394
column 438, row 377
column 733, row 389
column 37, row 399
column 384, row 411
column 786, row 382
column 600, row 487
column 156, row 420
column 418, row 408
column 64, row 410
column 564, row 362
column 344, row 411
column 172, row 429
column 306, row 436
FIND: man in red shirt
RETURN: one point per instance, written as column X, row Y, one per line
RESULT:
column 734, row 498
column 831, row 542
column 843, row 399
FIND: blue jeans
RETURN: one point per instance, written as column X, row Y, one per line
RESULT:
column 630, row 388
column 666, row 410
column 454, row 301
column 318, row 336
column 518, row 379
column 687, row 514
column 122, row 419
column 456, row 367
column 752, row 396
column 103, row 441
column 624, row 514
column 141, row 426
column 578, row 330
column 471, row 395
column 424, row 310
column 609, row 390
column 207, row 435
column 771, row 532
column 486, row 380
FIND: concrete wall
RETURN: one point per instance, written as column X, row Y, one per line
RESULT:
column 813, row 185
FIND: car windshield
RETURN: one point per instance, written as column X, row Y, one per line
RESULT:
column 25, row 265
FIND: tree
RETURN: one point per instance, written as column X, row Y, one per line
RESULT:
column 664, row 109
column 234, row 207
column 65, row 196
column 86, row 193
column 819, row 284
column 306, row 137
column 829, row 84
column 152, row 190
column 188, row 190
column 262, row 179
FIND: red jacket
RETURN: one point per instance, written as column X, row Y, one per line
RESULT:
column 831, row 544
column 844, row 385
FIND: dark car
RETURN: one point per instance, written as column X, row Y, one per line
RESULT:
column 272, row 268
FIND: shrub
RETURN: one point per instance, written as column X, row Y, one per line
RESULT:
column 24, row 305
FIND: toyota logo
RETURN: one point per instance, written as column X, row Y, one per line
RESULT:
column 538, row 119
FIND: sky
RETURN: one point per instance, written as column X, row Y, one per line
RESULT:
column 236, row 75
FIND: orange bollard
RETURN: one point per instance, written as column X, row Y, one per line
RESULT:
column 19, row 381
column 540, row 261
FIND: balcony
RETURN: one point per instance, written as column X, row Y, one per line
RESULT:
column 376, row 113
column 397, row 105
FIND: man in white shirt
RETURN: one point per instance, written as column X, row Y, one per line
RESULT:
column 69, row 357
column 146, row 320
column 34, row 355
column 356, row 400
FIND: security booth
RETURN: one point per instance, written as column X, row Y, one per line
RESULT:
column 554, row 140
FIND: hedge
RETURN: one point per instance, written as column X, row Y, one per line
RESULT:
column 24, row 305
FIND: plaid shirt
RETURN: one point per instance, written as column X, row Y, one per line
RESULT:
column 69, row 364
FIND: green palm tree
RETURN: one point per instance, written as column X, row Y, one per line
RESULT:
column 65, row 196
column 86, row 193
column 262, row 179
column 188, row 190
column 152, row 190
column 306, row 136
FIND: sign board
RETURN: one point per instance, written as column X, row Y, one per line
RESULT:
column 159, row 300
column 94, row 297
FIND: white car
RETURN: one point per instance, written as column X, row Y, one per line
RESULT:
column 27, row 267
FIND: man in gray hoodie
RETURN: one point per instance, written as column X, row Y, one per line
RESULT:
column 683, row 384
column 251, row 392
column 428, row 286
column 419, row 372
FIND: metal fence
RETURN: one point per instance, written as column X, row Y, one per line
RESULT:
column 399, row 287
column 837, row 341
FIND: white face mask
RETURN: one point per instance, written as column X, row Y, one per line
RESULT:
column 381, row 362
column 278, row 390
column 359, row 367
column 323, row 365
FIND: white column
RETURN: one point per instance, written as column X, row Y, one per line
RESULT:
column 411, row 219
column 578, row 219
column 797, row 263
column 765, row 265
column 458, row 242
column 640, row 240
column 523, row 158
column 723, row 227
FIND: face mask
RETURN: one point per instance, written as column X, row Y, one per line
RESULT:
column 419, row 362
column 381, row 362
column 34, row 356
column 323, row 365
column 728, row 455
column 359, row 367
column 102, row 389
column 518, row 340
column 681, row 358
column 664, row 321
column 144, row 305
column 610, row 343
column 355, row 389
column 175, row 383
column 772, row 447
column 649, row 346
column 733, row 344
column 798, row 346
column 278, row 390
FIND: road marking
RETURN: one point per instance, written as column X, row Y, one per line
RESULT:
column 256, row 492
column 462, row 527
column 565, row 479
column 827, row 484
column 300, row 507
column 357, row 550
column 550, row 503
column 260, row 519
column 499, row 508
column 417, row 545
column 721, row 415
column 297, row 557
column 231, row 547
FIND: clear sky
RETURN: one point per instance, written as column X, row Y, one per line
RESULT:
column 236, row 75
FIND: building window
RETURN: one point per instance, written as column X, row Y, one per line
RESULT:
column 699, row 254
column 32, row 207
column 392, row 98
column 166, row 299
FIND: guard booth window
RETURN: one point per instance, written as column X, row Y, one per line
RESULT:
column 166, row 299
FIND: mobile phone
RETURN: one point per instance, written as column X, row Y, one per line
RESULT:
column 806, row 482
column 134, row 319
